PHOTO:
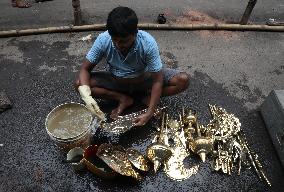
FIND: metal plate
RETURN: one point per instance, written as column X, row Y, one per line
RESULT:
column 116, row 158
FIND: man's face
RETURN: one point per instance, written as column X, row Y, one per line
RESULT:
column 123, row 44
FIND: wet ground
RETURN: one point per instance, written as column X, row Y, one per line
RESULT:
column 234, row 70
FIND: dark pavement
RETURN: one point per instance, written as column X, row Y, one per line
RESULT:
column 235, row 70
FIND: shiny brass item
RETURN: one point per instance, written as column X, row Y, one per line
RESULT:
column 253, row 159
column 189, row 121
column 159, row 151
column 224, row 125
column 116, row 158
column 231, row 146
column 174, row 167
column 202, row 146
column 95, row 165
column 125, row 123
column 138, row 160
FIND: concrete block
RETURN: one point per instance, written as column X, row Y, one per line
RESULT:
column 272, row 111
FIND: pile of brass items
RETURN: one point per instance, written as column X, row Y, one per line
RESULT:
column 171, row 155
column 125, row 123
column 222, row 139
column 230, row 146
column 117, row 158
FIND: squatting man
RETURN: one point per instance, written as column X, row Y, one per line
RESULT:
column 135, row 68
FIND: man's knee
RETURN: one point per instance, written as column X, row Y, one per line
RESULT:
column 183, row 81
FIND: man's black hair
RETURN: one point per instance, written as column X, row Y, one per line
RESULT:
column 122, row 22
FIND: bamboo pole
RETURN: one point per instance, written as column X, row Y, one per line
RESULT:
column 146, row 26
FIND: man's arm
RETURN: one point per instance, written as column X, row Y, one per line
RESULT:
column 156, row 91
column 85, row 90
column 84, row 74
column 154, row 99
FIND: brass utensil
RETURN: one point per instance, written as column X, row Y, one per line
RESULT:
column 138, row 160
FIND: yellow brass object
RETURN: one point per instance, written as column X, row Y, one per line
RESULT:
column 224, row 125
column 174, row 168
column 223, row 162
column 158, row 153
column 116, row 158
column 125, row 123
column 198, row 143
column 189, row 121
column 173, row 124
column 137, row 159
column 202, row 146
column 253, row 159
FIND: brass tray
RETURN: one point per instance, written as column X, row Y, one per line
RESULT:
column 116, row 158
column 96, row 165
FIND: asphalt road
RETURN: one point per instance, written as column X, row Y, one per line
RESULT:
column 233, row 70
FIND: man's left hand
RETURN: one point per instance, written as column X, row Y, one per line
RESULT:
column 142, row 119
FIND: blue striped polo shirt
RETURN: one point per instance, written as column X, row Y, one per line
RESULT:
column 142, row 57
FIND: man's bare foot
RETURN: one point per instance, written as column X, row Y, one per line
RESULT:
column 20, row 4
column 124, row 102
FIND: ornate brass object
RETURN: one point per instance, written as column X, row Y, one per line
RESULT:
column 223, row 162
column 174, row 167
column 125, row 123
column 159, row 151
column 202, row 146
column 137, row 159
column 116, row 158
column 224, row 125
column 197, row 143
column 231, row 146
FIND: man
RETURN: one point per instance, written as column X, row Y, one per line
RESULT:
column 135, row 67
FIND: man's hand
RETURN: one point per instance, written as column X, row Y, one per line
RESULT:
column 91, row 104
column 143, row 119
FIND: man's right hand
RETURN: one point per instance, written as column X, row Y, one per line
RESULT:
column 91, row 104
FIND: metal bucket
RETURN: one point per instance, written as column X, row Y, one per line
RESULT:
column 70, row 125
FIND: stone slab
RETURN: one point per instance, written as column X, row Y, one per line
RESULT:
column 272, row 111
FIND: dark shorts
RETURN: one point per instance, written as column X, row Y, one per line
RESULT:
column 106, row 80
